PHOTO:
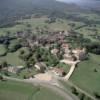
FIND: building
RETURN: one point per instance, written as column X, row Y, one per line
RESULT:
column 59, row 72
column 40, row 66
column 80, row 54
column 54, row 51
column 70, row 57
column 66, row 47
column 15, row 69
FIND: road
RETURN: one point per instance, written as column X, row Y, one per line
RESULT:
column 73, row 66
column 66, row 78
column 70, row 72
column 59, row 90
column 82, row 91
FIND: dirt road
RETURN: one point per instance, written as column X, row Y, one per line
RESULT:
column 73, row 66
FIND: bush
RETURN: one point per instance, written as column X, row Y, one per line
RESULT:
column 3, row 50
column 93, row 48
column 25, row 54
column 1, row 77
column 81, row 96
column 97, row 95
column 74, row 91
column 14, row 46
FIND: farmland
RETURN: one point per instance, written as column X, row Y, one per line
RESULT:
column 60, row 24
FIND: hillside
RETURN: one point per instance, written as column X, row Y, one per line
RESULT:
column 11, row 10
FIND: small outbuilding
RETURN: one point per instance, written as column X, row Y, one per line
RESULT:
column 54, row 51
column 40, row 66
column 59, row 72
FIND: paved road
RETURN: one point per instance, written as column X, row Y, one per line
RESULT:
column 56, row 89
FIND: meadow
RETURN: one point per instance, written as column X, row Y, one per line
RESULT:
column 87, row 75
column 11, row 90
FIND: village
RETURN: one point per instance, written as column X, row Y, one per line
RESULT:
column 49, row 50
column 68, row 56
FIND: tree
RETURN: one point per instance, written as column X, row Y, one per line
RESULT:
column 1, row 78
column 4, row 64
column 93, row 47
column 14, row 45
column 0, row 67
column 31, row 62
column 22, row 52
column 95, row 70
column 29, row 25
column 74, row 90
column 25, row 54
column 97, row 95
column 82, row 96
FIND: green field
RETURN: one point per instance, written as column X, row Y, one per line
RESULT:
column 11, row 90
column 2, row 50
column 60, row 24
column 87, row 74
column 13, row 59
column 36, row 22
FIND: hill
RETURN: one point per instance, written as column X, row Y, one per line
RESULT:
column 11, row 10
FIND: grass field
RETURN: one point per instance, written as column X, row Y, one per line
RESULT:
column 2, row 50
column 36, row 22
column 12, row 58
column 87, row 75
column 11, row 90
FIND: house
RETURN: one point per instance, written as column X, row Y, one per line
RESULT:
column 54, row 51
column 40, row 66
column 14, row 69
column 66, row 47
column 70, row 57
column 66, row 33
column 59, row 72
column 80, row 54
